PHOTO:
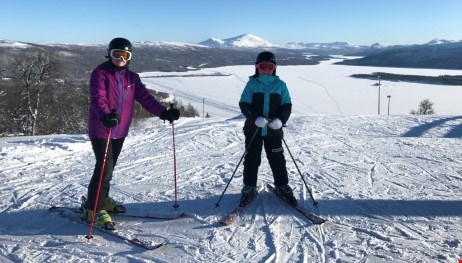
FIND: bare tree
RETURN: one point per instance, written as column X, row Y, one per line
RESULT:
column 35, row 73
column 425, row 108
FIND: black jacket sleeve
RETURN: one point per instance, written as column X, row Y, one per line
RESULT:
column 249, row 112
column 284, row 112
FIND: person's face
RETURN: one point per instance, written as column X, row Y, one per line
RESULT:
column 119, row 62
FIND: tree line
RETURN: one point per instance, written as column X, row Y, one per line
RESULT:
column 39, row 97
column 454, row 80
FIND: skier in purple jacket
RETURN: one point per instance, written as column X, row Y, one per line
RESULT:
column 113, row 89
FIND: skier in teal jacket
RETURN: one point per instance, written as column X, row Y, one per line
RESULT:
column 266, row 104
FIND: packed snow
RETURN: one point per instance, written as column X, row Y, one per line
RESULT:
column 388, row 185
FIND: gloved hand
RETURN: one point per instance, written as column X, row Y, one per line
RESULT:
column 170, row 114
column 261, row 122
column 275, row 124
column 110, row 120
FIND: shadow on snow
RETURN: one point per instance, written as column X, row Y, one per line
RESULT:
column 202, row 212
column 418, row 131
column 406, row 208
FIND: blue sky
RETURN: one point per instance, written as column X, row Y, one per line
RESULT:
column 355, row 21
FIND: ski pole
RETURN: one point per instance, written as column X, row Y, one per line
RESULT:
column 303, row 179
column 175, row 205
column 99, row 187
column 217, row 204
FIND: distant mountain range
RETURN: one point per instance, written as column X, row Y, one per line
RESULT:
column 242, row 50
column 435, row 54
column 249, row 41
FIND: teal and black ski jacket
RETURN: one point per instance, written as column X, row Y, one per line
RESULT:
column 266, row 96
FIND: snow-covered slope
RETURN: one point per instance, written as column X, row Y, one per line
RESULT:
column 389, row 186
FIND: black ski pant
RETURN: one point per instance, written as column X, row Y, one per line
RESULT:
column 99, row 147
column 274, row 153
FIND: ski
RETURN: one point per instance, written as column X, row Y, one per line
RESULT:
column 75, row 215
column 315, row 219
column 162, row 216
column 233, row 216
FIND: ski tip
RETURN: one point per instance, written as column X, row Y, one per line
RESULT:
column 158, row 246
column 224, row 223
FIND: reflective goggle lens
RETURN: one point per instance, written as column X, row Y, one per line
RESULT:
column 266, row 66
column 117, row 53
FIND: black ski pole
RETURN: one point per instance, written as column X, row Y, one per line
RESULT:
column 217, row 204
column 303, row 179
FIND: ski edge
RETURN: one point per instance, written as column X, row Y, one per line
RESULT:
column 151, row 216
column 313, row 218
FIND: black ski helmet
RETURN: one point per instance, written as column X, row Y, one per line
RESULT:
column 119, row 43
column 265, row 56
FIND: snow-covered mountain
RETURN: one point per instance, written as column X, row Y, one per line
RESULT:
column 13, row 44
column 163, row 44
column 242, row 41
column 320, row 46
column 380, row 46
column 252, row 41
column 439, row 42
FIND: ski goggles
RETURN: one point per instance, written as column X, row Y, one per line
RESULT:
column 118, row 53
column 266, row 66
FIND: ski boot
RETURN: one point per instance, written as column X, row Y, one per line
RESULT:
column 247, row 194
column 285, row 193
column 112, row 206
column 102, row 219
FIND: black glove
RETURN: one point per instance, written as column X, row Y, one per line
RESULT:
column 111, row 120
column 170, row 114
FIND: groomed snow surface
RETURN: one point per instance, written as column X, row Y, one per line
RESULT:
column 389, row 186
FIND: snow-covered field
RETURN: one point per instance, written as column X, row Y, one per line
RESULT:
column 389, row 186
column 320, row 89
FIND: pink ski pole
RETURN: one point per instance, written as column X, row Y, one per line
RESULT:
column 99, row 187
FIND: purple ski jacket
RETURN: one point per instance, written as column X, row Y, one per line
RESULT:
column 116, row 89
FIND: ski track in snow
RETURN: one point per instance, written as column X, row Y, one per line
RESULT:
column 387, row 197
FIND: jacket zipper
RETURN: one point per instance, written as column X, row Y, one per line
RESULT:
column 121, row 101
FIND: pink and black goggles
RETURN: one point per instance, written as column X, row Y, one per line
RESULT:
column 266, row 66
